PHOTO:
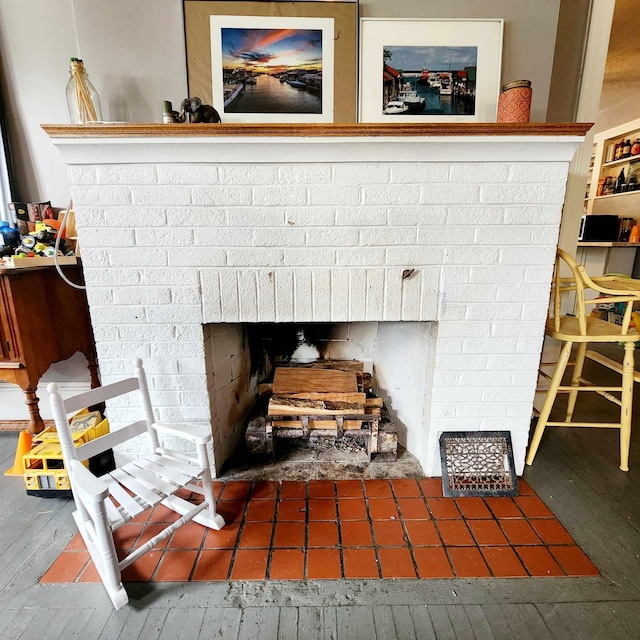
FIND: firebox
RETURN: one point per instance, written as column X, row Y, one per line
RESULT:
column 400, row 357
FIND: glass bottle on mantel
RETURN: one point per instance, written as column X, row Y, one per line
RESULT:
column 82, row 98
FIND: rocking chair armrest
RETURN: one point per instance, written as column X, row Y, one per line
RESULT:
column 194, row 433
column 86, row 484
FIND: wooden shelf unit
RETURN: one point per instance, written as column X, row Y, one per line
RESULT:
column 619, row 257
column 627, row 203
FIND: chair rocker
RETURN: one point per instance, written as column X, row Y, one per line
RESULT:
column 104, row 504
column 581, row 329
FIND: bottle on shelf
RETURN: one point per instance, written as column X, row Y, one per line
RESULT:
column 626, row 225
column 167, row 112
column 82, row 98
column 635, row 147
column 620, row 181
column 619, row 150
column 626, row 149
column 607, row 187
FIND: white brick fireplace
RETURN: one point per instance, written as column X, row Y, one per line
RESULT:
column 436, row 242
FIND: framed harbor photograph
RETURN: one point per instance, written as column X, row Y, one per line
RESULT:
column 430, row 70
column 266, row 62
column 269, row 69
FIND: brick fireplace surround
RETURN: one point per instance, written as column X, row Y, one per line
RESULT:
column 188, row 230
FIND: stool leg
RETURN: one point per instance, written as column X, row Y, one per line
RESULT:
column 627, row 403
column 575, row 379
column 556, row 379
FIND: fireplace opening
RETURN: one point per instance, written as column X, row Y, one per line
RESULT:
column 397, row 365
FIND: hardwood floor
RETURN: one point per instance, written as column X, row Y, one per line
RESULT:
column 575, row 473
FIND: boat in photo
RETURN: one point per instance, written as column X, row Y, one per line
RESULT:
column 424, row 77
column 231, row 92
column 298, row 84
column 445, row 85
column 395, row 107
column 410, row 97
column 312, row 81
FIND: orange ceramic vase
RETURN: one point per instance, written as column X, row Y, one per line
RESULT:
column 514, row 103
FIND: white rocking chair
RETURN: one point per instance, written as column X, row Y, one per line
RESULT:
column 106, row 503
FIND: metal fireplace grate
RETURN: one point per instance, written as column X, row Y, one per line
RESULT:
column 477, row 463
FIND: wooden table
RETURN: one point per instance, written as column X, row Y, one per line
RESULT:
column 42, row 320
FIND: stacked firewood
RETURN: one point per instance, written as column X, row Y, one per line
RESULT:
column 323, row 388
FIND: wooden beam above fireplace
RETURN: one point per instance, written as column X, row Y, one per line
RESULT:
column 318, row 130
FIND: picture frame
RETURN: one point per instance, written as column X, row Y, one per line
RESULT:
column 440, row 70
column 212, row 24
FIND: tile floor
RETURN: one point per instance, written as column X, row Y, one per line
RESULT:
column 351, row 529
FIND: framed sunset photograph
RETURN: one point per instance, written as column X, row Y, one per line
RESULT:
column 268, row 47
column 270, row 69
column 430, row 70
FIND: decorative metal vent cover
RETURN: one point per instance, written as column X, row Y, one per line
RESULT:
column 477, row 463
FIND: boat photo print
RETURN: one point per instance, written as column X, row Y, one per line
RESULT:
column 429, row 80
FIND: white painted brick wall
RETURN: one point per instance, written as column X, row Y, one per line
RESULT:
column 170, row 246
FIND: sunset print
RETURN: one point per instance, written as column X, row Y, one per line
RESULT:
column 273, row 69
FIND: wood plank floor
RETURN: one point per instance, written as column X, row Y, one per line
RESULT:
column 576, row 474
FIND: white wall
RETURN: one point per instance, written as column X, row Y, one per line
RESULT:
column 134, row 54
column 36, row 40
column 621, row 86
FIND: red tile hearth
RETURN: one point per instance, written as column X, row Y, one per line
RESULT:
column 348, row 529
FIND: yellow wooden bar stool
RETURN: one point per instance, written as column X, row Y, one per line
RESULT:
column 582, row 329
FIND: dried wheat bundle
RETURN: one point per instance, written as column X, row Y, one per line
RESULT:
column 86, row 109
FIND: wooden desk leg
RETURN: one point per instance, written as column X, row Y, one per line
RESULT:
column 36, row 424
column 93, row 370
column 95, row 380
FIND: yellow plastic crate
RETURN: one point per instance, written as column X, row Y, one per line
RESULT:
column 85, row 426
column 44, row 465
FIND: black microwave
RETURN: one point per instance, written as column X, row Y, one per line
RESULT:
column 599, row 228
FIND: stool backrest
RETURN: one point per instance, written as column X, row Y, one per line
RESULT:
column 610, row 289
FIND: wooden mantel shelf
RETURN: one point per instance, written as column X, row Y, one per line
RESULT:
column 318, row 130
